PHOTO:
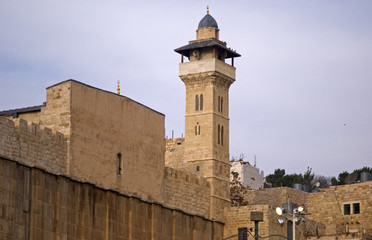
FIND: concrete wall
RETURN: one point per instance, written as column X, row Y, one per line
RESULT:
column 35, row 204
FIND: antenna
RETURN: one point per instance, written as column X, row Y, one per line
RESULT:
column 255, row 160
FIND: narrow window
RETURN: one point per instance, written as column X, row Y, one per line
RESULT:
column 197, row 129
column 201, row 102
column 219, row 133
column 242, row 233
column 118, row 164
column 356, row 208
column 347, row 209
column 221, row 104
column 196, row 103
column 222, row 135
column 197, row 168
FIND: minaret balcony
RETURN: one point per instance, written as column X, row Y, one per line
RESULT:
column 207, row 65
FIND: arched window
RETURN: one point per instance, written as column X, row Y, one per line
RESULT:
column 201, row 101
column 119, row 164
column 197, row 129
column 219, row 133
column 196, row 103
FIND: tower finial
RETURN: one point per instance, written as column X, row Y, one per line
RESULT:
column 118, row 87
column 207, row 9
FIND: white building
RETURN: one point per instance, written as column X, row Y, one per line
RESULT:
column 250, row 176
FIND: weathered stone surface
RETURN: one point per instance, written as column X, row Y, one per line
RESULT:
column 41, row 205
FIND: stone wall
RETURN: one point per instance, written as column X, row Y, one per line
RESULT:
column 105, row 124
column 175, row 153
column 327, row 207
column 276, row 196
column 35, row 204
column 29, row 144
column 186, row 191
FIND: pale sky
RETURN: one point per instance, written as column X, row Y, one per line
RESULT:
column 303, row 91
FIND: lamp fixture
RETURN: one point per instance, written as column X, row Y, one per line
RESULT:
column 281, row 221
column 280, row 211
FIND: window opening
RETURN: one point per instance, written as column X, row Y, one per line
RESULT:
column 201, row 102
column 219, row 133
column 356, row 208
column 197, row 129
column 197, row 168
column 222, row 135
column 347, row 210
column 118, row 164
column 196, row 103
column 221, row 104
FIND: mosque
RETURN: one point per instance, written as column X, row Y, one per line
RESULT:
column 92, row 164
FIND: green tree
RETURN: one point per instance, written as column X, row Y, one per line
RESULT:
column 276, row 179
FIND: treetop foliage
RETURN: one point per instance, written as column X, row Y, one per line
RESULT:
column 280, row 179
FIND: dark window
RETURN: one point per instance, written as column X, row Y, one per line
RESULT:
column 242, row 233
column 197, row 129
column 356, row 208
column 222, row 135
column 221, row 104
column 347, row 209
column 219, row 133
column 196, row 103
column 118, row 164
column 201, row 102
column 197, row 168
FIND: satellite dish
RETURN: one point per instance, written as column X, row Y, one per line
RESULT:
column 317, row 184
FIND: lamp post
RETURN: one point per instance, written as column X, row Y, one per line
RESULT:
column 296, row 217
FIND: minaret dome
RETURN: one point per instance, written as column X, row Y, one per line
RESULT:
column 207, row 28
column 208, row 21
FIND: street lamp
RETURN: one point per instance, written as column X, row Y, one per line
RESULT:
column 296, row 217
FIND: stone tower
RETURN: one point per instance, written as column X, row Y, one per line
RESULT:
column 207, row 78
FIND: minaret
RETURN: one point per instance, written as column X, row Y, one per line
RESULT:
column 207, row 78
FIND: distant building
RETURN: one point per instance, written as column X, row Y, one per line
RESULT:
column 250, row 176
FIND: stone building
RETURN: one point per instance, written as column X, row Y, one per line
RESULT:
column 337, row 212
column 92, row 164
